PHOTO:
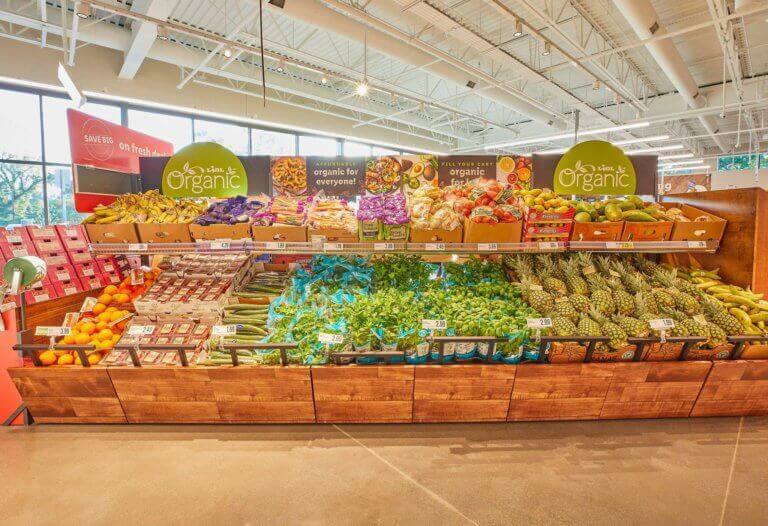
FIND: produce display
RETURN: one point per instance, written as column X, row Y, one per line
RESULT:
column 288, row 210
column 149, row 207
column 383, row 217
column 631, row 208
column 331, row 214
column 204, row 265
column 430, row 210
column 484, row 201
column 162, row 331
column 236, row 210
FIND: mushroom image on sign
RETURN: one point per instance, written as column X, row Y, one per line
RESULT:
column 204, row 169
column 595, row 168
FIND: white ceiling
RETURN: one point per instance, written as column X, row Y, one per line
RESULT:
column 518, row 89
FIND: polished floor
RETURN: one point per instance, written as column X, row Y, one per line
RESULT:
column 691, row 472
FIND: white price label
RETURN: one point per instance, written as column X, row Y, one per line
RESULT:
column 220, row 245
column 539, row 323
column 434, row 325
column 63, row 276
column 325, row 337
column 137, row 276
column 52, row 331
column 662, row 324
column 14, row 239
column 548, row 245
column 436, row 247
column 141, row 330
column 383, row 246
column 697, row 244
column 272, row 245
column 619, row 245
column 488, row 247
column 333, row 246
column 137, row 247
column 88, row 272
column 70, row 232
column 224, row 330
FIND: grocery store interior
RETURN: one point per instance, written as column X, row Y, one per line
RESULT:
column 424, row 261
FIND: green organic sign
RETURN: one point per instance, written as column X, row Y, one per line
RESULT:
column 595, row 168
column 204, row 169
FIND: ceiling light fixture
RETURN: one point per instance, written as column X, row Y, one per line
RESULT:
column 518, row 28
column 680, row 163
column 641, row 139
column 83, row 10
column 324, row 80
column 657, row 149
column 227, row 51
column 547, row 49
column 596, row 85
column 683, row 168
column 569, row 135
column 162, row 33
column 280, row 65
column 676, row 156
column 362, row 88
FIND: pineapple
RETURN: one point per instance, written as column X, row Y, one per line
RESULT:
column 576, row 283
column 664, row 300
column 633, row 280
column 588, row 327
column 549, row 280
column 680, row 328
column 617, row 336
column 562, row 326
column 645, row 265
column 717, row 336
column 645, row 310
column 564, row 308
column 723, row 319
column 634, row 327
column 683, row 301
column 522, row 267
column 580, row 302
column 540, row 300
column 603, row 264
column 601, row 296
column 625, row 303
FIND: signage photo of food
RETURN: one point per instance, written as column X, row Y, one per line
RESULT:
column 515, row 170
column 289, row 175
column 421, row 171
column 384, row 174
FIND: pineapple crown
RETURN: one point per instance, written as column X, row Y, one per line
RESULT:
column 597, row 316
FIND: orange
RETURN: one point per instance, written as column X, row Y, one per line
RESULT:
column 65, row 359
column 115, row 338
column 88, row 327
column 122, row 298
column 105, row 344
column 48, row 358
column 77, row 360
column 110, row 289
column 94, row 358
column 121, row 326
column 101, row 326
column 105, row 334
column 104, row 316
column 111, row 309
column 69, row 339
column 506, row 164
column 106, row 299
column 82, row 339
column 99, row 308
column 116, row 315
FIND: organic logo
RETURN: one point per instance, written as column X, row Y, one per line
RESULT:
column 204, row 169
column 595, row 168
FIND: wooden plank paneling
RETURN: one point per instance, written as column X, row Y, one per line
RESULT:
column 734, row 388
column 354, row 394
column 654, row 389
column 68, row 394
column 560, row 391
column 462, row 393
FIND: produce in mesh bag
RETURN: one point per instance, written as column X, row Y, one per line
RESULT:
column 331, row 214
column 235, row 210
column 288, row 210
column 429, row 210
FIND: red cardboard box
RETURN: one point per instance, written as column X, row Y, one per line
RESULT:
column 45, row 293
column 55, row 258
column 109, row 279
column 72, row 237
column 107, row 265
column 42, row 232
column 67, row 288
column 16, row 243
column 79, row 256
column 64, row 272
column 92, row 283
column 88, row 269
column 47, row 244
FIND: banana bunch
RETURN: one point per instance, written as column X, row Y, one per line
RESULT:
column 149, row 207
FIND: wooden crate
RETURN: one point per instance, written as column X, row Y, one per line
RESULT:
column 734, row 388
column 654, row 390
column 462, row 393
column 68, row 395
column 356, row 394
column 560, row 391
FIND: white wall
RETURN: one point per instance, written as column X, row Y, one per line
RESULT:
column 739, row 179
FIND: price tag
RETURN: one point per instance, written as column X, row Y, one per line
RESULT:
column 488, row 247
column 14, row 240
column 434, row 247
column 697, row 244
column 272, row 245
column 137, row 247
column 70, row 319
column 137, row 276
column 539, row 323
column 333, row 246
column 52, row 331
column 220, row 245
column 88, row 304
column 619, row 245
column 434, row 325
column 662, row 324
column 141, row 330
column 383, row 246
column 224, row 330
column 548, row 245
column 699, row 318
column 328, row 338
column 88, row 272
column 63, row 275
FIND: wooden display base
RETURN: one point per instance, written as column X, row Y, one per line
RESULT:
column 394, row 393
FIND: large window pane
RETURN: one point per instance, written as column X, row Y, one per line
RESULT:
column 322, row 146
column 55, row 125
column 228, row 135
column 272, row 143
column 176, row 130
column 21, row 194
column 356, row 149
column 61, row 199
column 20, row 126
column 378, row 151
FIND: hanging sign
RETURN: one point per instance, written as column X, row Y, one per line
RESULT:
column 458, row 169
column 334, row 176
column 204, row 169
column 595, row 168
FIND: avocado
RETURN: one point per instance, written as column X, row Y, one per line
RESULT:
column 613, row 212
column 583, row 217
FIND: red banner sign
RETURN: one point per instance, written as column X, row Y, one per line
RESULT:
column 98, row 145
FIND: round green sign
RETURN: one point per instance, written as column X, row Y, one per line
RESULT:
column 204, row 169
column 595, row 168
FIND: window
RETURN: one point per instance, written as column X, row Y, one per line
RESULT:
column 20, row 126
column 176, row 130
column 272, row 143
column 21, row 194
column 55, row 125
column 378, row 152
column 61, row 198
column 322, row 146
column 233, row 137
column 356, row 149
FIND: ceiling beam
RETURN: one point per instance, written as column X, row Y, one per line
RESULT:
column 143, row 34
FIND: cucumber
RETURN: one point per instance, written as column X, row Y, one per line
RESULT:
column 627, row 205
column 636, row 216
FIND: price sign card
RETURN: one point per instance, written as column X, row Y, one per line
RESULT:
column 328, row 338
column 434, row 247
column 434, row 325
column 224, row 330
column 141, row 330
column 539, row 323
column 662, row 324
column 52, row 331
column 275, row 245
column 383, row 246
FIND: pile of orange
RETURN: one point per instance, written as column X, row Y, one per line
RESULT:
column 133, row 291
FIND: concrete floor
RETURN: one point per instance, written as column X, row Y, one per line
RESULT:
column 691, row 472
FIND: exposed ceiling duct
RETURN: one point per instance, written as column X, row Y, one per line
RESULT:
column 390, row 41
column 644, row 20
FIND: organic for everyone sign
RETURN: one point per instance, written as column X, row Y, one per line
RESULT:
column 204, row 169
column 595, row 168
